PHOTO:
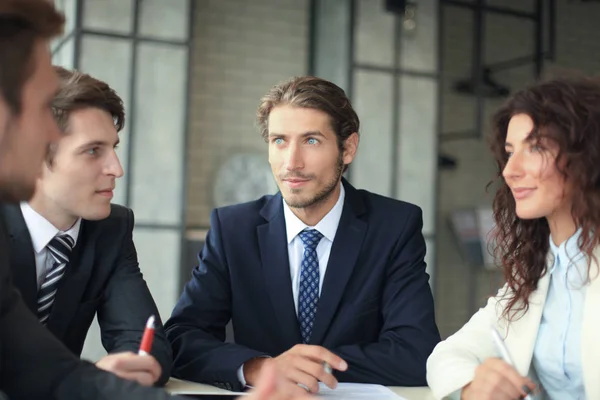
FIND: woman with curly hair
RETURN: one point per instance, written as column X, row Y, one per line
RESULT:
column 546, row 142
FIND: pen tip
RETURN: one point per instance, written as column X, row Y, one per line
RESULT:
column 150, row 323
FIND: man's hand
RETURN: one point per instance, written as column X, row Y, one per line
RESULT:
column 495, row 379
column 145, row 370
column 301, row 365
column 269, row 386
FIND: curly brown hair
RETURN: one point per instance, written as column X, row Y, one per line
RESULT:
column 565, row 111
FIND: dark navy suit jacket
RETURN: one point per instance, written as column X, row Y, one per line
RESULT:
column 375, row 309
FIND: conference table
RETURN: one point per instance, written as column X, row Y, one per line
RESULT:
column 177, row 386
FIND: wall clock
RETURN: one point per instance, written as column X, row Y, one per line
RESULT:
column 243, row 177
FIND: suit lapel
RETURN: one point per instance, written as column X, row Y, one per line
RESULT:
column 73, row 284
column 276, row 270
column 342, row 259
column 522, row 333
column 590, row 328
column 22, row 257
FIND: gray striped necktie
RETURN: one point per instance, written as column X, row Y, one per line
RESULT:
column 60, row 248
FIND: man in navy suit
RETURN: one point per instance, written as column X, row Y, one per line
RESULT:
column 327, row 280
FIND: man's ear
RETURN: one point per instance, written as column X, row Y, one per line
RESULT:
column 350, row 148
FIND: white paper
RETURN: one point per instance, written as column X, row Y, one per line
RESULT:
column 358, row 391
column 352, row 391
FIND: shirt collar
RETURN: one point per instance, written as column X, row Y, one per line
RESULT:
column 567, row 253
column 42, row 231
column 327, row 225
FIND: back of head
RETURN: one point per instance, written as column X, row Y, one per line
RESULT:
column 315, row 93
column 565, row 111
column 22, row 23
column 27, row 84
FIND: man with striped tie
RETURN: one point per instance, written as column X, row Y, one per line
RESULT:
column 33, row 363
column 74, row 256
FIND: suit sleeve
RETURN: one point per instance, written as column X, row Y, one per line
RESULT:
column 89, row 383
column 452, row 364
column 35, row 365
column 196, row 328
column 409, row 332
column 33, row 360
column 126, row 306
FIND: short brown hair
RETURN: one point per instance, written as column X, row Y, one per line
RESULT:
column 22, row 23
column 315, row 93
column 78, row 90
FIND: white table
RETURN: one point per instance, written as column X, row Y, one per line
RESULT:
column 192, row 388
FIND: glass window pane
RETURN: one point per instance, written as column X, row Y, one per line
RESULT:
column 159, row 253
column 417, row 151
column 332, row 38
column 63, row 52
column 372, row 99
column 524, row 29
column 419, row 48
column 516, row 5
column 374, row 34
column 108, row 15
column 69, row 9
column 165, row 19
column 156, row 178
column 63, row 47
column 109, row 60
column 92, row 347
column 458, row 112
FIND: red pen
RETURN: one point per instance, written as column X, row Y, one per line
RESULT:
column 147, row 338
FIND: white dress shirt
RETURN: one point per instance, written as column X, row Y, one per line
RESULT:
column 42, row 232
column 327, row 226
column 293, row 225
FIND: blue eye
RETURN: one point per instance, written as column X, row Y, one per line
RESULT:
column 278, row 141
column 312, row 141
column 92, row 151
